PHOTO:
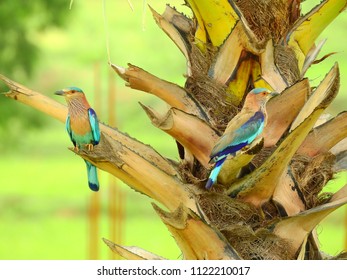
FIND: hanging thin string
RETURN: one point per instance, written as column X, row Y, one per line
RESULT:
column 106, row 31
column 105, row 26
column 71, row 2
column 131, row 5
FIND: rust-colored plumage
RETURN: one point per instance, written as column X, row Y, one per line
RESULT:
column 82, row 126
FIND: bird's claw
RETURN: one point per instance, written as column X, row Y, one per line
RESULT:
column 76, row 149
column 89, row 147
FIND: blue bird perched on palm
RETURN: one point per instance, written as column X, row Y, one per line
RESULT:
column 83, row 127
column 241, row 131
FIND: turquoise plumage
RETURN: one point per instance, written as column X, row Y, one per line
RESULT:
column 241, row 131
column 83, row 127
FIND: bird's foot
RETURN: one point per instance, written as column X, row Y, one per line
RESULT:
column 89, row 147
column 76, row 149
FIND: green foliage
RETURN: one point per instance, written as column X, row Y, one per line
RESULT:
column 20, row 23
column 20, row 20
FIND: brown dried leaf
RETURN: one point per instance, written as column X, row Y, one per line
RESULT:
column 324, row 137
column 131, row 252
column 171, row 93
column 177, row 27
column 303, row 223
column 270, row 72
column 288, row 195
column 191, row 132
column 283, row 109
column 322, row 96
column 197, row 240
column 226, row 61
column 135, row 168
column 311, row 56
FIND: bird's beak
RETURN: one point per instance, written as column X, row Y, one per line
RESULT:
column 60, row 92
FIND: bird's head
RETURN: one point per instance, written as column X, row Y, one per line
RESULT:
column 258, row 97
column 70, row 92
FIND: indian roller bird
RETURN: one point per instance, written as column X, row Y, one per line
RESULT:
column 82, row 126
column 241, row 131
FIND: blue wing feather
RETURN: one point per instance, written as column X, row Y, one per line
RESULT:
column 94, row 124
column 234, row 141
column 68, row 129
column 229, row 150
column 241, row 137
column 250, row 129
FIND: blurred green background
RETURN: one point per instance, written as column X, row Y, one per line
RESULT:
column 44, row 196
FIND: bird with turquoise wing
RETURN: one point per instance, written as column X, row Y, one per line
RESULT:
column 83, row 127
column 241, row 131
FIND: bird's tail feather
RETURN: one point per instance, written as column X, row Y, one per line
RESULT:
column 214, row 173
column 93, row 181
